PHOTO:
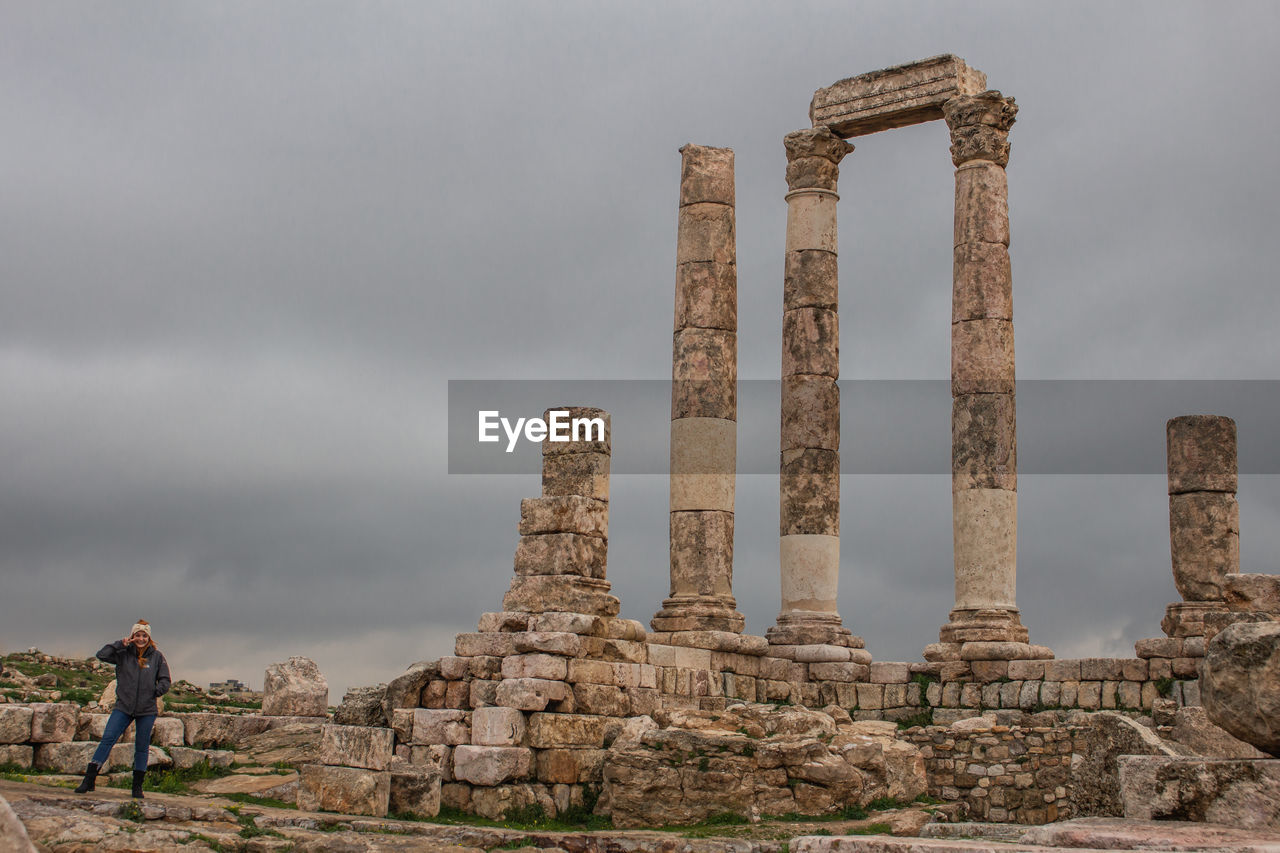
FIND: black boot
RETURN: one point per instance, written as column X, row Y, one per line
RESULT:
column 138, row 776
column 90, row 776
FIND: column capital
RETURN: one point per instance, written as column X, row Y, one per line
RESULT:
column 813, row 158
column 979, row 126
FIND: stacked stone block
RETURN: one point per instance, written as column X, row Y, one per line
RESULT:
column 353, row 776
column 1204, row 535
column 1005, row 773
column 809, row 483
column 704, row 408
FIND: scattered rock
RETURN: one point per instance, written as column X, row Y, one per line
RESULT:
column 1240, row 683
column 295, row 688
column 363, row 706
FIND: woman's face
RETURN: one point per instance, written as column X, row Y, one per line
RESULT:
column 140, row 638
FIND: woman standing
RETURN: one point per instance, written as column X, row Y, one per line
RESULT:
column 142, row 674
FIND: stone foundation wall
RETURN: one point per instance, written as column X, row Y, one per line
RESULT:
column 1009, row 774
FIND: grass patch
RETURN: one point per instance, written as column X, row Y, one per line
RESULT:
column 1164, row 686
column 923, row 718
column 532, row 818
column 131, row 810
column 164, row 781
column 873, row 829
column 251, row 800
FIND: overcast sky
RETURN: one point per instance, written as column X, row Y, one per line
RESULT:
column 244, row 246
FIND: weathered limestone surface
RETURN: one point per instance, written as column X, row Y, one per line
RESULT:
column 984, row 624
column 414, row 789
column 53, row 722
column 362, row 706
column 357, row 746
column 809, row 485
column 295, row 688
column 754, row 759
column 349, row 790
column 704, row 408
column 15, row 724
column 894, row 97
column 1242, row 793
column 1252, row 592
column 1201, row 454
column 13, row 835
column 1240, row 683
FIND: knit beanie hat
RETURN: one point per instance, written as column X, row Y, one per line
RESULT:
column 143, row 626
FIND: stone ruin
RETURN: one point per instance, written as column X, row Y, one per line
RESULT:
column 556, row 703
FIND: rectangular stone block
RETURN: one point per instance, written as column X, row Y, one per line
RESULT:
column 592, row 671
column 703, row 463
column 982, row 204
column 600, row 699
column 53, row 722
column 811, row 342
column 585, row 474
column 357, row 746
column 542, row 593
column 483, row 693
column 990, row 670
column 15, row 724
column 1090, row 695
column 436, row 754
column 845, row 671
column 1070, row 694
column 1129, row 694
column 1026, row 669
column 870, row 696
column 570, row 766
column 497, row 726
column 485, row 666
column 444, row 726
column 415, row 790
column 887, row 672
column 548, row 642
column 644, row 701
column 1062, row 670
column 348, row 790
column 564, row 514
column 679, row 656
column 562, row 554
column 894, row 97
column 548, row 667
column 1134, row 669
column 491, row 765
column 1201, row 454
column 552, row 731
column 19, row 754
column 810, row 413
column 168, row 731
column 707, row 296
column 489, row 645
column 529, row 694
column 402, row 724
column 1101, row 669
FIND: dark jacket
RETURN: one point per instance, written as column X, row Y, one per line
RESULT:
column 137, row 687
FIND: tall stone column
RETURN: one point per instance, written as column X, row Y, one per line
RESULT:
column 984, row 470
column 1204, row 518
column 704, row 404
column 809, row 487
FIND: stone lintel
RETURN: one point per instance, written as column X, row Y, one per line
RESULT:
column 894, row 97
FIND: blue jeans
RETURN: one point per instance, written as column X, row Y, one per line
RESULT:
column 116, row 724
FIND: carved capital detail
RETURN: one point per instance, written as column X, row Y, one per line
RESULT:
column 979, row 126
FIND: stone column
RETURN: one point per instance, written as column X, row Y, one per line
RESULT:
column 704, row 403
column 984, row 470
column 561, row 560
column 1204, row 518
column 809, row 487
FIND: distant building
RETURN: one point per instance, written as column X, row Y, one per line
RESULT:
column 231, row 685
